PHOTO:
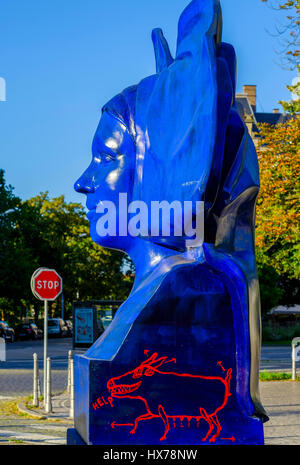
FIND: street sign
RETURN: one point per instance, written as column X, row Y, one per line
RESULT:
column 296, row 349
column 46, row 284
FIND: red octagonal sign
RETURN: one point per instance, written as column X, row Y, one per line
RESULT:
column 46, row 284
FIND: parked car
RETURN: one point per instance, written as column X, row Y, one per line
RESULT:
column 6, row 332
column 28, row 331
column 69, row 325
column 57, row 327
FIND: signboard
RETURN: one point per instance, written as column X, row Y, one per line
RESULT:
column 85, row 327
column 46, row 284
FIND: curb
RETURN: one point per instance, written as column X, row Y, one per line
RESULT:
column 41, row 416
column 33, row 413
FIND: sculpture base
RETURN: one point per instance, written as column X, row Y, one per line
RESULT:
column 256, row 437
column 173, row 379
column 74, row 439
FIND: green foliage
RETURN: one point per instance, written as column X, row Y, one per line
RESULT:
column 278, row 213
column 277, row 235
column 270, row 284
column 271, row 376
column 281, row 333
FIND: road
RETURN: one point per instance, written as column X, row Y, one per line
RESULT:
column 19, row 355
column 16, row 372
column 281, row 399
column 277, row 358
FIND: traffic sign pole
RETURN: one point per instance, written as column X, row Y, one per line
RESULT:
column 45, row 346
column 46, row 285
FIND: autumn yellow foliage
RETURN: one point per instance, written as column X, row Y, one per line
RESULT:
column 278, row 209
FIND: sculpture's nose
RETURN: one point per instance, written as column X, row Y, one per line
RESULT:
column 85, row 184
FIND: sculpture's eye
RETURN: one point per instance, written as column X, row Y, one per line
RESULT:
column 107, row 157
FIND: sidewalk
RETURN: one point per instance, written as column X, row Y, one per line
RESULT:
column 25, row 425
column 281, row 400
column 60, row 408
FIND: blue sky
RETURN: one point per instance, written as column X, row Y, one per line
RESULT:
column 63, row 59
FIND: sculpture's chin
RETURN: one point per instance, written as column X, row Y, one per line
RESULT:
column 109, row 241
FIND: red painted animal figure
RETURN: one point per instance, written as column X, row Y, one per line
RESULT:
column 145, row 382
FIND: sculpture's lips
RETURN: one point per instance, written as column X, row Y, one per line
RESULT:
column 123, row 389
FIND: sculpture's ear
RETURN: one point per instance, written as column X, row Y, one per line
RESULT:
column 162, row 52
column 219, row 27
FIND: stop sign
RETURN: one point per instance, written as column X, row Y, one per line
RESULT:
column 46, row 284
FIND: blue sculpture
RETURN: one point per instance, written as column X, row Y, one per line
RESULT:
column 179, row 363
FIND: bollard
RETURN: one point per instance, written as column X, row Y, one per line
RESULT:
column 48, row 404
column 39, row 386
column 69, row 371
column 295, row 357
column 2, row 350
column 35, row 401
column 72, row 389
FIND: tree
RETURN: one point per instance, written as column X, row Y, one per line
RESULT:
column 290, row 50
column 293, row 106
column 289, row 32
column 88, row 270
column 278, row 212
column 54, row 234
column 16, row 259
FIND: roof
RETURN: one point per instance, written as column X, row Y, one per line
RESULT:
column 272, row 118
column 285, row 310
column 243, row 106
column 246, row 113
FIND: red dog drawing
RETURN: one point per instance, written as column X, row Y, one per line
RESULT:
column 148, row 374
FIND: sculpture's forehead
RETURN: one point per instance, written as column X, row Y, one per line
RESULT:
column 111, row 134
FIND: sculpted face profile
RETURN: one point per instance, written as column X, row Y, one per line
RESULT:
column 151, row 147
column 176, row 143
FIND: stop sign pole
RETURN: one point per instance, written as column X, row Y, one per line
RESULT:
column 46, row 285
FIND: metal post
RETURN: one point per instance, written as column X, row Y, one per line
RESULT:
column 48, row 405
column 69, row 371
column 45, row 346
column 39, row 385
column 2, row 350
column 72, row 389
column 62, row 306
column 35, row 401
column 294, row 374
column 295, row 357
